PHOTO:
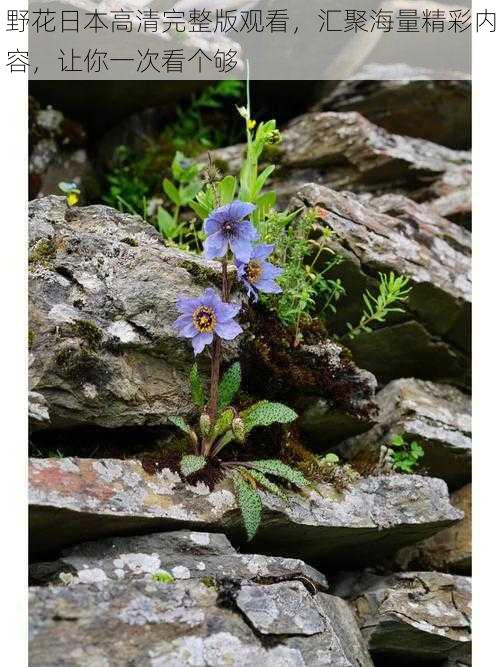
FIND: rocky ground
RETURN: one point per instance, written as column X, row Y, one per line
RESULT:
column 130, row 567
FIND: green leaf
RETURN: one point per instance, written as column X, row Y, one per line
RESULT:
column 197, row 391
column 171, row 191
column 191, row 464
column 266, row 484
column 280, row 469
column 330, row 458
column 223, row 423
column 250, row 505
column 265, row 413
column 416, row 450
column 200, row 210
column 229, row 385
column 398, row 441
column 166, row 224
column 180, row 423
column 227, row 188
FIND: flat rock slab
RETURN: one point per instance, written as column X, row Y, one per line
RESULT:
column 149, row 624
column 450, row 550
column 436, row 416
column 182, row 554
column 414, row 614
column 395, row 234
column 76, row 500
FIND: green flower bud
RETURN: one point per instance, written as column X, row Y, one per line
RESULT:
column 274, row 137
column 238, row 429
column 205, row 424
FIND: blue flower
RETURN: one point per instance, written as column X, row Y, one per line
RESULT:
column 202, row 317
column 226, row 226
column 257, row 274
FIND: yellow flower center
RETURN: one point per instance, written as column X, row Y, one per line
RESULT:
column 253, row 271
column 204, row 319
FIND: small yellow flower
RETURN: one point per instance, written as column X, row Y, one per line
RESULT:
column 72, row 198
column 251, row 124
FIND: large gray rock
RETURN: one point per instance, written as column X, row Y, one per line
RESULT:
column 438, row 417
column 405, row 100
column 75, row 500
column 433, row 252
column 102, row 295
column 346, row 151
column 423, row 615
column 450, row 550
column 183, row 554
column 150, row 624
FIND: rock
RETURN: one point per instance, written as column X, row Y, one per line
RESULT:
column 346, row 151
column 433, row 252
column 184, row 554
column 423, row 615
column 75, row 500
column 190, row 623
column 58, row 153
column 449, row 550
column 438, row 417
column 38, row 411
column 103, row 288
column 405, row 100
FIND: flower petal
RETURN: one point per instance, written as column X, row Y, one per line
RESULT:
column 186, row 306
column 268, row 286
column 246, row 230
column 225, row 311
column 262, row 250
column 240, row 209
column 228, row 330
column 214, row 246
column 269, row 271
column 241, row 248
column 210, row 298
column 200, row 341
column 215, row 219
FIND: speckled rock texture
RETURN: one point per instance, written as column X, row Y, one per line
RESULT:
column 425, row 615
column 183, row 554
column 347, row 151
column 75, row 500
column 192, row 624
column 102, row 295
column 433, row 252
column 450, row 550
column 437, row 416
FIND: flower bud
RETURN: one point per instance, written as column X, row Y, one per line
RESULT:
column 238, row 429
column 274, row 137
column 205, row 424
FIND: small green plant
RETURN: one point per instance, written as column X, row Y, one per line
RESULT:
column 186, row 174
column 163, row 577
column 407, row 456
column 391, row 290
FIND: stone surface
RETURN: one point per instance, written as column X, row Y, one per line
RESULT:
column 422, row 615
column 75, row 500
column 438, row 417
column 346, row 151
column 102, row 295
column 184, row 554
column 449, row 550
column 410, row 101
column 188, row 623
column 433, row 252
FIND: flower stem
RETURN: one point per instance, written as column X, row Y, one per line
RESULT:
column 216, row 355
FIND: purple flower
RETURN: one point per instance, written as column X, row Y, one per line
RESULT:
column 257, row 274
column 226, row 226
column 202, row 317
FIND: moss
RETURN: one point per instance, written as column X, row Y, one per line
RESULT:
column 43, row 253
column 210, row 582
column 88, row 332
column 80, row 366
column 200, row 274
column 130, row 241
column 163, row 577
column 31, row 338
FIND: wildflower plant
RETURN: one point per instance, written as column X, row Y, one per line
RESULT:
column 210, row 320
